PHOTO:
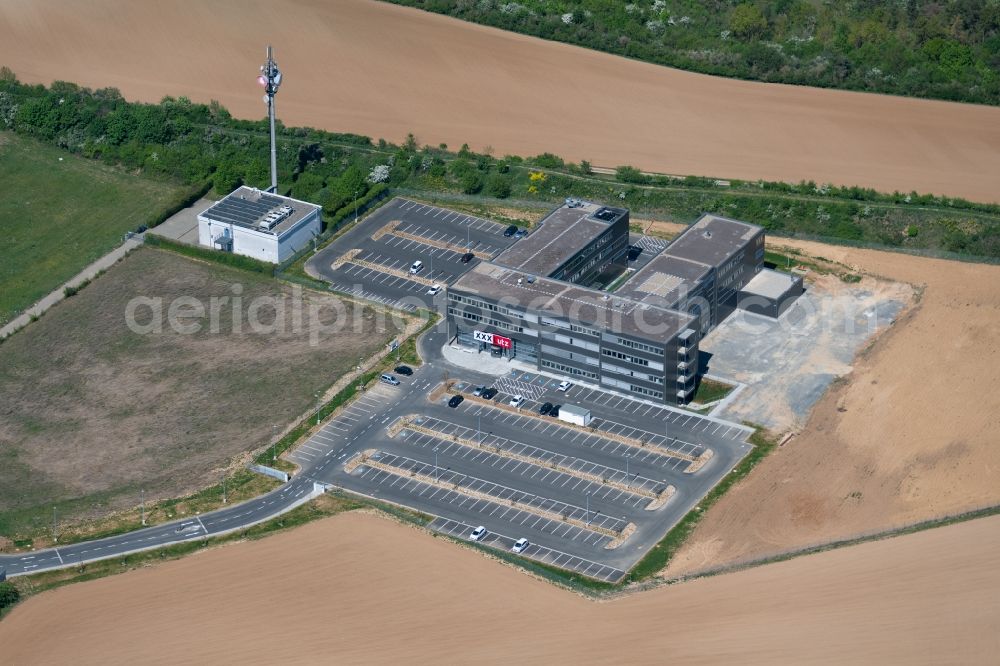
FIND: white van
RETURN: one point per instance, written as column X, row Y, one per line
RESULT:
column 416, row 267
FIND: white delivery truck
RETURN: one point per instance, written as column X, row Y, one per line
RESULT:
column 577, row 415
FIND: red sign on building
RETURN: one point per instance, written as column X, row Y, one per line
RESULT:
column 500, row 341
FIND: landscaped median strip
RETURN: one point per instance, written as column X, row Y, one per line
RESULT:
column 697, row 462
column 658, row 499
column 392, row 228
column 368, row 458
column 345, row 258
column 406, row 275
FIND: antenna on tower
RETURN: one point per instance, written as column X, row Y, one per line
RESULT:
column 270, row 79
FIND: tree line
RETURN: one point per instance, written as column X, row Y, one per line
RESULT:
column 203, row 145
column 944, row 49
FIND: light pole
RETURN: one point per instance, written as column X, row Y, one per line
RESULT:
column 356, row 193
column 317, row 407
column 479, row 429
column 435, row 465
column 587, row 495
column 627, row 485
column 223, row 488
column 142, row 505
column 468, row 238
column 55, row 536
column 274, row 442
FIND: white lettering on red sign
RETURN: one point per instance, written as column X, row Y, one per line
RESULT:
column 493, row 339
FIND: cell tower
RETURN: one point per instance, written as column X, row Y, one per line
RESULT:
column 270, row 79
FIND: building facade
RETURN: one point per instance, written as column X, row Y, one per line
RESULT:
column 582, row 334
column 253, row 223
column 534, row 300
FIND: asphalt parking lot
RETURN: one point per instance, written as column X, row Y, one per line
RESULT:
column 570, row 492
column 591, row 500
column 380, row 267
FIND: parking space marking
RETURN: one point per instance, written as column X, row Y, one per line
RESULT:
column 536, row 552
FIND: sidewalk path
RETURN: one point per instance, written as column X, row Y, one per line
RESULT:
column 88, row 273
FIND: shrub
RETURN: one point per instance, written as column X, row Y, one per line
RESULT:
column 548, row 161
column 629, row 174
column 8, row 595
column 470, row 182
column 498, row 186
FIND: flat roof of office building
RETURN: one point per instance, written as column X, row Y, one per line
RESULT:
column 589, row 307
column 560, row 235
column 664, row 281
column 712, row 239
column 771, row 284
column 247, row 207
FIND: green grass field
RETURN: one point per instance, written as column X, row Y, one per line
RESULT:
column 59, row 212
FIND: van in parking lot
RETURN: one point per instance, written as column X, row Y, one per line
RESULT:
column 388, row 379
column 416, row 267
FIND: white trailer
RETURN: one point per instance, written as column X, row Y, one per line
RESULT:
column 576, row 415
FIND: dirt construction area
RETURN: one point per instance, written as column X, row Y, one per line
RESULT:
column 92, row 410
column 786, row 364
column 454, row 82
column 910, row 434
column 356, row 588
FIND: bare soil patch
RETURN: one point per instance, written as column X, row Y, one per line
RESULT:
column 91, row 411
column 910, row 434
column 927, row 598
column 401, row 70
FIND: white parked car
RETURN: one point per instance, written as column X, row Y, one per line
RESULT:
column 517, row 401
column 416, row 267
column 520, row 545
column 433, row 291
column 564, row 386
column 478, row 533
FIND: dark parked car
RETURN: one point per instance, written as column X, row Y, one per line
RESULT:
column 510, row 231
column 455, row 401
column 467, row 257
column 490, row 393
column 520, row 233
column 545, row 409
column 555, row 410
column 403, row 370
column 633, row 252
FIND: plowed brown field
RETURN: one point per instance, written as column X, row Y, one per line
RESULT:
column 360, row 589
column 384, row 70
column 911, row 434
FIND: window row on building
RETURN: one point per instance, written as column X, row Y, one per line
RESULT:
column 568, row 369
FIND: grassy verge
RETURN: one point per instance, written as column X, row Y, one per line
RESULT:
column 710, row 390
column 207, row 254
column 660, row 555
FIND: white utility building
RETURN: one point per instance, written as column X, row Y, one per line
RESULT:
column 257, row 224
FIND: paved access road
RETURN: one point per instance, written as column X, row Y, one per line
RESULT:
column 215, row 523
